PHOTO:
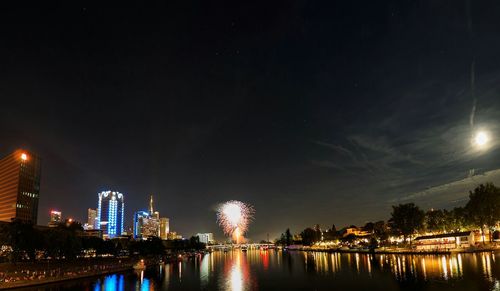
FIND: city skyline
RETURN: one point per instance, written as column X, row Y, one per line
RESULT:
column 312, row 112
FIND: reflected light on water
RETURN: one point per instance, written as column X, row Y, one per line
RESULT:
column 264, row 255
column 236, row 279
column 403, row 267
column 180, row 271
column 204, row 269
column 145, row 285
column 237, row 270
column 237, row 273
column 486, row 264
column 111, row 283
column 444, row 267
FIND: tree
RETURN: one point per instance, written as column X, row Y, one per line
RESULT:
column 308, row 236
column 369, row 226
column 484, row 206
column 407, row 218
column 381, row 230
column 435, row 220
column 288, row 237
column 458, row 219
column 22, row 237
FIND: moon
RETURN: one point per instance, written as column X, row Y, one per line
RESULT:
column 481, row 139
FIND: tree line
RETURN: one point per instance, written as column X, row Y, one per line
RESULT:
column 22, row 241
column 482, row 211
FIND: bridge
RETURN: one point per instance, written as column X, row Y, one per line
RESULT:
column 253, row 246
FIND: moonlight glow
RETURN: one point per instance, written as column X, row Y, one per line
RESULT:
column 481, row 138
column 234, row 216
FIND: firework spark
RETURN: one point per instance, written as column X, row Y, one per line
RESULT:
column 234, row 216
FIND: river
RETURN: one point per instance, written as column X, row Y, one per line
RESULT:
column 277, row 270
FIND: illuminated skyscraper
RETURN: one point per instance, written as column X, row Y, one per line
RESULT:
column 149, row 224
column 110, row 210
column 19, row 186
column 140, row 219
column 91, row 219
column 55, row 218
column 164, row 228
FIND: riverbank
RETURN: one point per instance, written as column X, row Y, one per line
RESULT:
column 25, row 275
column 404, row 251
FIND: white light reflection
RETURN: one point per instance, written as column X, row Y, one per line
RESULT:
column 235, row 280
column 444, row 267
column 180, row 271
column 204, row 270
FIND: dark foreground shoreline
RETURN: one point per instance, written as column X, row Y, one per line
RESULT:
column 26, row 275
column 26, row 284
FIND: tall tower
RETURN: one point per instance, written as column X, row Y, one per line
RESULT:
column 19, row 186
column 110, row 210
column 151, row 205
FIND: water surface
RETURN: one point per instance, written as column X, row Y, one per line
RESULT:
column 277, row 270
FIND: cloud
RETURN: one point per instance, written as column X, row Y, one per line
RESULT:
column 456, row 191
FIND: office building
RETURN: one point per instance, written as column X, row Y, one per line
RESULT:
column 164, row 228
column 19, row 187
column 91, row 220
column 140, row 219
column 206, row 238
column 110, row 211
column 149, row 224
column 55, row 218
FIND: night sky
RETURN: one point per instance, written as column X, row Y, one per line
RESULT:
column 314, row 112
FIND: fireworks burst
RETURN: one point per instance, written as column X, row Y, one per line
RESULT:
column 234, row 216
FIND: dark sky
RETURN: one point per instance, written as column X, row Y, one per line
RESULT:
column 312, row 111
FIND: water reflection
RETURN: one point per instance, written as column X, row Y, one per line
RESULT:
column 110, row 283
column 269, row 269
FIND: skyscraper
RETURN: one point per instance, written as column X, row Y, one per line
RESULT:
column 91, row 219
column 149, row 224
column 164, row 228
column 151, row 210
column 55, row 218
column 140, row 219
column 110, row 210
column 19, row 186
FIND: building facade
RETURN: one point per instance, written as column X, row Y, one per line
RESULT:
column 140, row 219
column 449, row 241
column 110, row 211
column 20, row 187
column 149, row 224
column 164, row 228
column 91, row 220
column 206, row 238
column 55, row 218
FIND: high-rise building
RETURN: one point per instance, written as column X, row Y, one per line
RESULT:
column 149, row 224
column 164, row 227
column 151, row 227
column 19, row 186
column 91, row 219
column 55, row 218
column 151, row 210
column 110, row 210
column 140, row 219
column 205, row 238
